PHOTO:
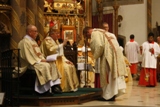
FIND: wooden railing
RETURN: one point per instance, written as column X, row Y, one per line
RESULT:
column 10, row 86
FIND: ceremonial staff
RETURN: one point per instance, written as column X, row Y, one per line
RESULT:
column 86, row 53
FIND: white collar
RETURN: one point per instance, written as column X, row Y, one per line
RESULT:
column 28, row 37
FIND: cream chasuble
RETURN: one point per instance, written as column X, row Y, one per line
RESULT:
column 112, row 65
column 30, row 54
column 69, row 80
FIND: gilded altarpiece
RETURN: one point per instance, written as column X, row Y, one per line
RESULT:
column 71, row 13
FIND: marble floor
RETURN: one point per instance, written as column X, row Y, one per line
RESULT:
column 136, row 96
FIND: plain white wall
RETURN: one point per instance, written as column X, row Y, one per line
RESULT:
column 134, row 21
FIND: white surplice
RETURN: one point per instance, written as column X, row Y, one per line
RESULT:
column 132, row 51
column 149, row 60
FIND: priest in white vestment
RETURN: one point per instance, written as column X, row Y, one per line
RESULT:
column 30, row 55
column 104, row 45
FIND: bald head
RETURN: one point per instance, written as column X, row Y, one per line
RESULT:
column 32, row 31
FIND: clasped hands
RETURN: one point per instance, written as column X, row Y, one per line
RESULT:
column 151, row 50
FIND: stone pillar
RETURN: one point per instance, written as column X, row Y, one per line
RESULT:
column 88, row 12
column 18, row 20
column 149, row 16
column 115, row 7
column 100, row 12
column 40, row 18
column 31, row 12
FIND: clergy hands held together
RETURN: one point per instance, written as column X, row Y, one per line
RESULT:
column 43, row 60
column 151, row 50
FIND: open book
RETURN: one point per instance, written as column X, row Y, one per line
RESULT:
column 52, row 57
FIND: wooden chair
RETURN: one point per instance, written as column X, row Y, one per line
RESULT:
column 22, row 84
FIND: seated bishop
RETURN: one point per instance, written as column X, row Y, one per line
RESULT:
column 49, row 46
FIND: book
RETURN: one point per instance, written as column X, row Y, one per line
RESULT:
column 52, row 57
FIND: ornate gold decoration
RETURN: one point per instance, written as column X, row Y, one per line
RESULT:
column 146, row 78
column 14, row 44
column 68, row 12
column 31, row 17
column 122, row 2
column 5, row 8
column 100, row 11
column 15, row 21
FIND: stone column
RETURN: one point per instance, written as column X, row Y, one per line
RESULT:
column 88, row 12
column 149, row 16
column 31, row 12
column 18, row 20
column 40, row 18
column 100, row 12
column 115, row 7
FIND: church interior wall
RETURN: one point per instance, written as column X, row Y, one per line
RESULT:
column 134, row 21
